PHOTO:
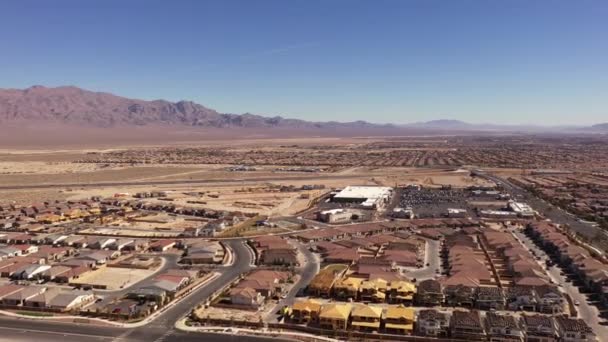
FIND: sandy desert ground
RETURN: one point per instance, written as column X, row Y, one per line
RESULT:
column 56, row 174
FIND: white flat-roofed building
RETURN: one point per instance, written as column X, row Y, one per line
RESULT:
column 497, row 214
column 406, row 213
column 335, row 215
column 366, row 196
column 454, row 212
column 522, row 209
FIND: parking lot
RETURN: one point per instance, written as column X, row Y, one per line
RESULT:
column 433, row 202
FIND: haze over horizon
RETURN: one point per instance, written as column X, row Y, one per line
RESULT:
column 519, row 62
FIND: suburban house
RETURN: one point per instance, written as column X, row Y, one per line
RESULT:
column 503, row 328
column 366, row 318
column 19, row 298
column 127, row 308
column 574, row 330
column 323, row 282
column 101, row 242
column 274, row 250
column 334, row 316
column 399, row 320
column 162, row 245
column 148, row 293
column 51, row 273
column 550, row 300
column 467, row 325
column 432, row 323
column 347, row 288
column 120, row 244
column 26, row 248
column 373, row 290
column 207, row 252
column 429, row 293
column 401, row 292
column 77, row 241
column 8, row 289
column 521, row 298
column 539, row 328
column 305, row 311
column 459, row 295
column 99, row 257
column 268, row 283
column 489, row 297
column 73, row 273
column 41, row 300
column 33, row 271
column 192, row 231
column 246, row 296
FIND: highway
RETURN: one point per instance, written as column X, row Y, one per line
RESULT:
column 160, row 329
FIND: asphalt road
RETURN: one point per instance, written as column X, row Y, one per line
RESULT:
column 586, row 311
column 431, row 257
column 307, row 272
column 160, row 329
column 25, row 331
column 552, row 212
column 164, row 324
column 175, row 182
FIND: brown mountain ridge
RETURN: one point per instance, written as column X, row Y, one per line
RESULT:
column 76, row 106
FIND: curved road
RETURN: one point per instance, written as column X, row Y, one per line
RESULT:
column 160, row 329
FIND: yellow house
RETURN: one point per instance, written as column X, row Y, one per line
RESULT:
column 74, row 213
column 334, row 316
column 322, row 284
column 347, row 288
column 305, row 311
column 402, row 292
column 49, row 218
column 95, row 211
column 373, row 290
column 399, row 320
column 366, row 318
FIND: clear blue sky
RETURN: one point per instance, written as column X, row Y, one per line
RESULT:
column 541, row 62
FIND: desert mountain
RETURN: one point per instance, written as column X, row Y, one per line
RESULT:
column 72, row 105
column 442, row 124
column 602, row 127
column 75, row 106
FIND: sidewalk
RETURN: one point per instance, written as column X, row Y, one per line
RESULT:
column 181, row 325
column 87, row 320
column 229, row 259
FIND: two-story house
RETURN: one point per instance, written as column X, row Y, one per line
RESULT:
column 432, row 323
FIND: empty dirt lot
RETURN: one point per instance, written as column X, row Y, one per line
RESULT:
column 113, row 278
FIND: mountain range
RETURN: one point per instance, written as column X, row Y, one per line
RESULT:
column 75, row 106
column 72, row 105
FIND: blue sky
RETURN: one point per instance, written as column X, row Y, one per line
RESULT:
column 399, row 61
